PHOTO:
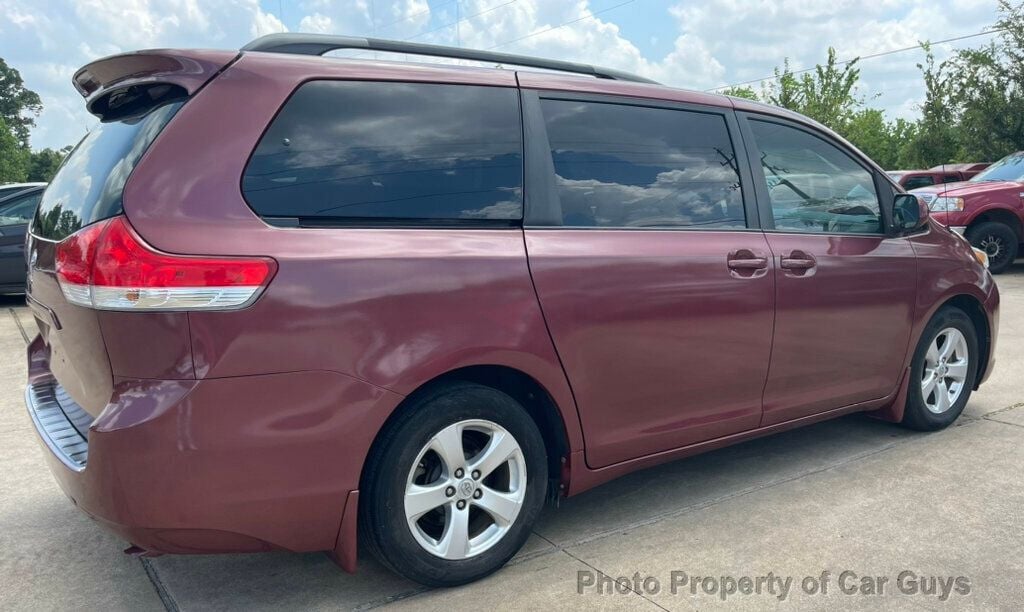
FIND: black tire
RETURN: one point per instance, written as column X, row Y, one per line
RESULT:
column 383, row 526
column 916, row 415
column 998, row 240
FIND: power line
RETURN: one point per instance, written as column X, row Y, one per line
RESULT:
column 864, row 57
column 561, row 25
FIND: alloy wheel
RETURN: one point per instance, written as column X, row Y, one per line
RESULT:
column 465, row 489
column 946, row 365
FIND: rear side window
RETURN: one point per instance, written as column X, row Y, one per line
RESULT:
column 346, row 151
column 634, row 166
column 918, row 181
column 89, row 184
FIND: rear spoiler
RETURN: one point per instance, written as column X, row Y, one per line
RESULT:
column 123, row 85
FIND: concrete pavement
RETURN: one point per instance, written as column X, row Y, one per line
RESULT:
column 865, row 501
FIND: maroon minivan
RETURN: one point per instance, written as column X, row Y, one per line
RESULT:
column 284, row 299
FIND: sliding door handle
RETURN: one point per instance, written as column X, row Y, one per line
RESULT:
column 744, row 263
column 792, row 263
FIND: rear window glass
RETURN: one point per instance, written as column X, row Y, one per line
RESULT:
column 89, row 184
column 918, row 181
column 345, row 151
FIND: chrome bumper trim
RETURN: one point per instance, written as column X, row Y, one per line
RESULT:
column 61, row 423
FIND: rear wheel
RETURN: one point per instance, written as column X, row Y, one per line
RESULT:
column 999, row 242
column 454, row 485
column 942, row 371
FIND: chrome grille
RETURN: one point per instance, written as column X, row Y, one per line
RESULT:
column 61, row 422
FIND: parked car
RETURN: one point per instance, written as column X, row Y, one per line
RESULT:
column 16, row 210
column 9, row 189
column 968, row 170
column 914, row 179
column 988, row 209
column 412, row 302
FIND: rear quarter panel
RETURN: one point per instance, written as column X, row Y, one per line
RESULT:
column 392, row 307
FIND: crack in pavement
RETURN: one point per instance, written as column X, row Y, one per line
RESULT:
column 161, row 590
column 623, row 583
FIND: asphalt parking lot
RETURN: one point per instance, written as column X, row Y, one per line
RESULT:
column 852, row 495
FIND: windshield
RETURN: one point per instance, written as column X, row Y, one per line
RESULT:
column 1009, row 168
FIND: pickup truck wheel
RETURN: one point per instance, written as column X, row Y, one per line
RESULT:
column 998, row 240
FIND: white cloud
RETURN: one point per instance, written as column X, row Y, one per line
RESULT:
column 317, row 23
column 713, row 42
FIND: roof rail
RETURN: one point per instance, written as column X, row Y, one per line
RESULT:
column 318, row 44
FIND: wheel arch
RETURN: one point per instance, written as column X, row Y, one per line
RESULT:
column 970, row 304
column 998, row 215
column 974, row 309
column 523, row 388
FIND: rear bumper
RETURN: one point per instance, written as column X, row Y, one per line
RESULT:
column 219, row 465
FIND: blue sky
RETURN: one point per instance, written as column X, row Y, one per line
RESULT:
column 684, row 43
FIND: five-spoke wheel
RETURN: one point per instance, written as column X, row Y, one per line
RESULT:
column 465, row 489
column 453, row 484
column 945, row 370
column 944, row 367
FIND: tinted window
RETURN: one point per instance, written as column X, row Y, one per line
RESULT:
column 632, row 166
column 951, row 178
column 88, row 185
column 813, row 185
column 918, row 181
column 391, row 150
column 19, row 210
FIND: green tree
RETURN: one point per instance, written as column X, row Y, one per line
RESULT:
column 937, row 139
column 43, row 164
column 784, row 90
column 827, row 94
column 986, row 90
column 904, row 133
column 19, row 106
column 13, row 157
column 741, row 92
column 868, row 130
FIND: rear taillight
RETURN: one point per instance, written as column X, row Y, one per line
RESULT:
column 107, row 265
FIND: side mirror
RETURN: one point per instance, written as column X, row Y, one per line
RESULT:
column 910, row 213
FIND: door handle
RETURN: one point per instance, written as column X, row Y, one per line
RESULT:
column 754, row 263
column 744, row 263
column 797, row 260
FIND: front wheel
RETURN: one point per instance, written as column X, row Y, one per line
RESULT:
column 454, row 485
column 999, row 242
column 942, row 372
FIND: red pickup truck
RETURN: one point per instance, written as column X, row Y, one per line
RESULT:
column 945, row 173
column 988, row 209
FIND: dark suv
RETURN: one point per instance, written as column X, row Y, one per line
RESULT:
column 284, row 299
